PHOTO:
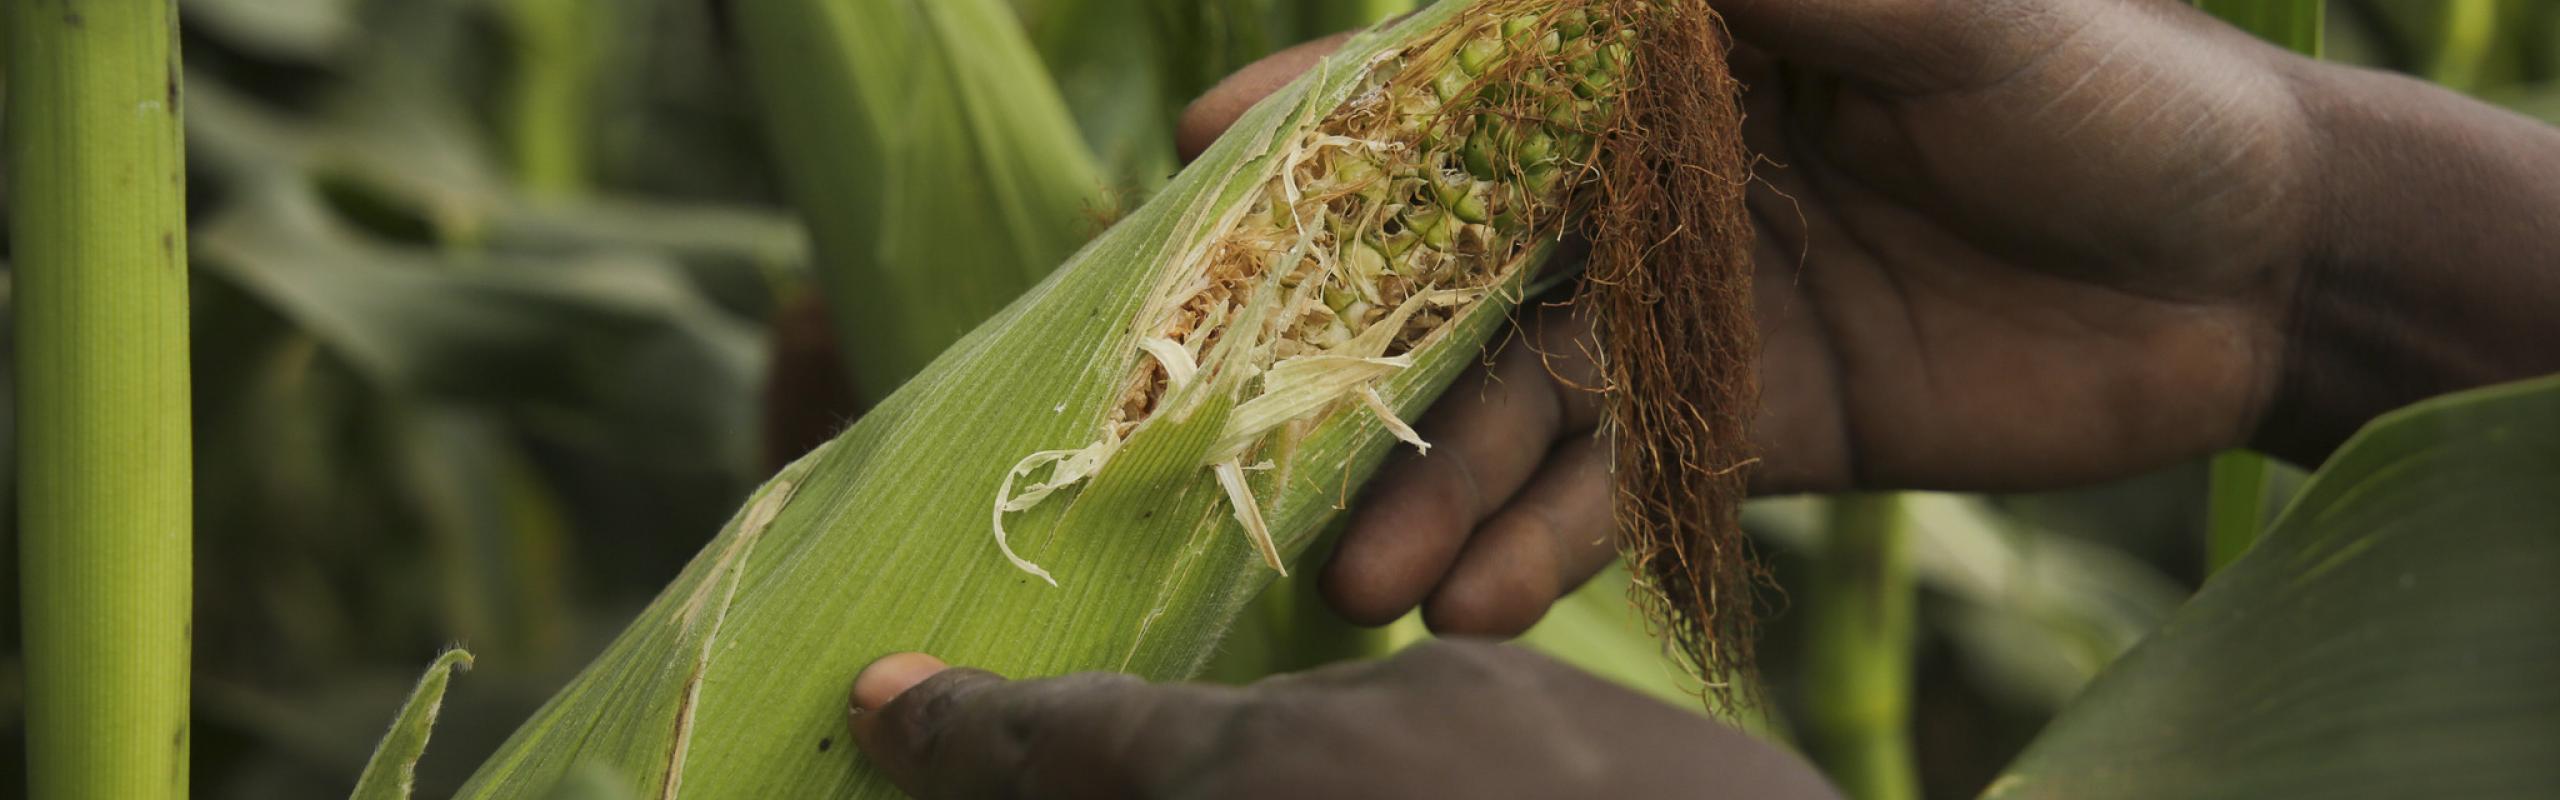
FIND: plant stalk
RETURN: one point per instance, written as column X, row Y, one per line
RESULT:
column 551, row 96
column 97, row 180
column 1858, row 651
column 2235, row 506
column 2469, row 33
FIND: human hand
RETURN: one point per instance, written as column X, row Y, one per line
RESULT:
column 2004, row 246
column 1441, row 719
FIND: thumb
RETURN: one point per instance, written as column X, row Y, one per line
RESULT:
column 940, row 732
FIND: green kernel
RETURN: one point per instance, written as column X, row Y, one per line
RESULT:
column 1464, row 197
column 1451, row 83
column 1542, row 179
column 1338, row 298
column 1479, row 55
column 1434, row 227
column 1482, row 155
column 1573, row 23
column 1365, row 263
column 1396, row 245
column 1533, row 146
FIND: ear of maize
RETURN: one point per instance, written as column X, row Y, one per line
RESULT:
column 1103, row 474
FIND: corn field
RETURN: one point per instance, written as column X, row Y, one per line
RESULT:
column 635, row 372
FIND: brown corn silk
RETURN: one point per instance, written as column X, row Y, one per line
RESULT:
column 1669, row 294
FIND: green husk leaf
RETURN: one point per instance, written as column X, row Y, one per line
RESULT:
column 391, row 772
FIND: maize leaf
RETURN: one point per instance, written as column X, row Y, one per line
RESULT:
column 1140, row 423
column 2390, row 637
column 392, row 771
column 938, row 170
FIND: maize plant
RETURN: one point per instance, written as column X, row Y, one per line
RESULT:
column 1104, row 473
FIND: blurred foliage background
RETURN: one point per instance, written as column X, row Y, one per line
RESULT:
column 493, row 321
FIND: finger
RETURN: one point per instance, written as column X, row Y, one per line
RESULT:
column 965, row 733
column 1210, row 115
column 1551, row 538
column 1909, row 45
column 1488, row 436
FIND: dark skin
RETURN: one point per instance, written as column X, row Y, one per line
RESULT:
column 2003, row 245
column 1527, row 726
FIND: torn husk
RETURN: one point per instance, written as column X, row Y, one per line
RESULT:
column 1182, row 405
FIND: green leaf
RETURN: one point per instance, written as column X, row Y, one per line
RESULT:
column 393, row 768
column 938, row 170
column 308, row 30
column 2392, row 636
column 609, row 347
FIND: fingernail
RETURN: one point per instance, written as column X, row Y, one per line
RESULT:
column 891, row 676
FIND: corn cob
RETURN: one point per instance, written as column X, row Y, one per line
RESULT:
column 1155, row 428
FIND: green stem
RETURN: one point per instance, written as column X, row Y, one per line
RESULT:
column 2235, row 506
column 97, row 175
column 1858, row 651
column 2470, row 28
column 551, row 95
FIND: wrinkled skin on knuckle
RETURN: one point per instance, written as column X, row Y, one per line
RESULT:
column 2199, row 138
